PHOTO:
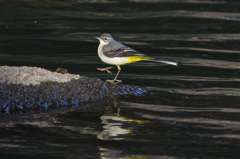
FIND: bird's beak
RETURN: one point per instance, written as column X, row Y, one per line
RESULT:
column 97, row 38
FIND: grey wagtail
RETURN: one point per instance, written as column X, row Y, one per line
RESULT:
column 114, row 53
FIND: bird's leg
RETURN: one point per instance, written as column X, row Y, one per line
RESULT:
column 115, row 79
column 119, row 69
column 105, row 69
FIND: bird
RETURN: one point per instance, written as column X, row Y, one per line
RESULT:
column 113, row 52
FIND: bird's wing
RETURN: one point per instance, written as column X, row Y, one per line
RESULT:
column 123, row 52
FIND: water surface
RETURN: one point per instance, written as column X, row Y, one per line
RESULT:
column 189, row 112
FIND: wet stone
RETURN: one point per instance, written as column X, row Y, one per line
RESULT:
column 30, row 86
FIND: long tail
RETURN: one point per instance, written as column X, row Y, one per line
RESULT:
column 163, row 60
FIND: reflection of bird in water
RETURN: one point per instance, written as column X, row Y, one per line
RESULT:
column 115, row 53
column 117, row 127
column 115, row 102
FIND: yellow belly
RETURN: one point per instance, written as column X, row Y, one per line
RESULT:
column 133, row 59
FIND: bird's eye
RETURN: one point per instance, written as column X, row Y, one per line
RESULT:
column 105, row 38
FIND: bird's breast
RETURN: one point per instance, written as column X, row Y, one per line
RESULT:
column 112, row 60
column 100, row 47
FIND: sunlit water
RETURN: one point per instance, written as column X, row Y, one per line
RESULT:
column 190, row 111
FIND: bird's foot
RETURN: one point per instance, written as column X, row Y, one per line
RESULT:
column 114, row 81
column 105, row 69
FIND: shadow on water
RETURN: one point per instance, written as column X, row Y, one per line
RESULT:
column 190, row 111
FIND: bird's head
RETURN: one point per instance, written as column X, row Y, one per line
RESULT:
column 105, row 38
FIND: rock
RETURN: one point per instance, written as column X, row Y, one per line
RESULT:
column 25, row 87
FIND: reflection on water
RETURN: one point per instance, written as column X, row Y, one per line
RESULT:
column 107, row 131
column 189, row 112
column 116, row 127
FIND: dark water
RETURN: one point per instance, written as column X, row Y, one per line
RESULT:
column 190, row 112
